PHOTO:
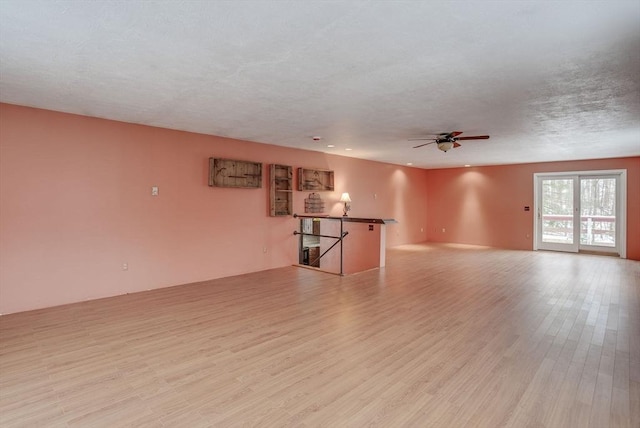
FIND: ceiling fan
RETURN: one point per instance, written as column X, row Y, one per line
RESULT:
column 448, row 140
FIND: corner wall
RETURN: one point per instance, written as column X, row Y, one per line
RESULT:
column 485, row 205
column 76, row 204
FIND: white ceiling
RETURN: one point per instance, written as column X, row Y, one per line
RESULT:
column 548, row 80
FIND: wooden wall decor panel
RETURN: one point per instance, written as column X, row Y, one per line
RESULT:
column 317, row 180
column 235, row 173
column 280, row 190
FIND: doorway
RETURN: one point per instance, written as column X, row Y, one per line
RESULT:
column 581, row 211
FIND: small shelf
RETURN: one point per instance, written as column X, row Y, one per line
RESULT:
column 281, row 190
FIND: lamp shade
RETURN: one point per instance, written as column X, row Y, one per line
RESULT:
column 345, row 197
column 445, row 146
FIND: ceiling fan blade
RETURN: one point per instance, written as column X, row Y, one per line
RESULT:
column 456, row 145
column 425, row 144
column 455, row 133
column 477, row 137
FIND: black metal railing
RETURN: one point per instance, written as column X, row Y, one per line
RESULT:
column 302, row 246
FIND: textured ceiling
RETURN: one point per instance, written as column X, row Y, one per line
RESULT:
column 547, row 80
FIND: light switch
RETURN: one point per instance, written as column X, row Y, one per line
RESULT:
column 154, row 191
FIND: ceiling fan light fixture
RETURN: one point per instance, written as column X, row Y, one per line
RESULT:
column 447, row 140
column 445, row 146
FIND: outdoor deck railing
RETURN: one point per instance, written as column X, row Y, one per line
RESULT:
column 594, row 229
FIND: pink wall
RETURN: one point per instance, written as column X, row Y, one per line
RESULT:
column 75, row 204
column 485, row 205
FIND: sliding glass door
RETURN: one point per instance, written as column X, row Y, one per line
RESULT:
column 557, row 212
column 598, row 197
column 580, row 211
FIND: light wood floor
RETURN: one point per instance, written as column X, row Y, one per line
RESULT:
column 444, row 336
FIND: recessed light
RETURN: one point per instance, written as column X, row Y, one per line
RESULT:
column 330, row 145
column 348, row 149
column 467, row 166
column 409, row 163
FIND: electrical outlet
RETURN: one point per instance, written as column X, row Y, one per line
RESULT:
column 422, row 229
column 125, row 266
column 154, row 191
column 443, row 230
column 264, row 249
